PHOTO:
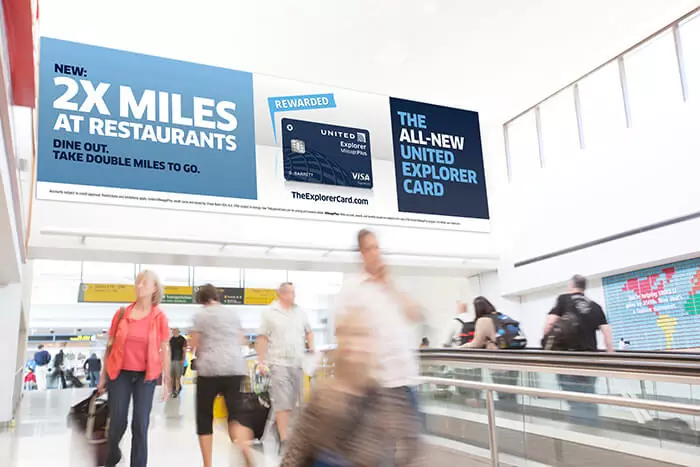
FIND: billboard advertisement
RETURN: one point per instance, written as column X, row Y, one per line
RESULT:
column 117, row 127
column 656, row 308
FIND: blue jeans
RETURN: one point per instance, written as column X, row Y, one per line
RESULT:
column 94, row 378
column 581, row 412
column 128, row 385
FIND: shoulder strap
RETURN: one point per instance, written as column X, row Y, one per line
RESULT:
column 463, row 322
column 110, row 344
column 122, row 312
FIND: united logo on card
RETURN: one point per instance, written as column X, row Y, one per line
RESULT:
column 327, row 154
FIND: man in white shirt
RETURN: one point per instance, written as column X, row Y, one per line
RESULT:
column 281, row 343
column 455, row 338
column 391, row 313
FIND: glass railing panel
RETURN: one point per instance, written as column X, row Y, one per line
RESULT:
column 581, row 438
column 451, row 416
column 550, row 430
column 676, row 432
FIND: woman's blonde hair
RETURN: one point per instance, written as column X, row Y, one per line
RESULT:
column 354, row 323
column 158, row 285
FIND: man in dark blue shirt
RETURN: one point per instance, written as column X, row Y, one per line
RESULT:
column 93, row 366
column 42, row 358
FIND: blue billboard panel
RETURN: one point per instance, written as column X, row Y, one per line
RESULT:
column 438, row 160
column 118, row 119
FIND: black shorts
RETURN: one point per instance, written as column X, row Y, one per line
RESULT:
column 208, row 387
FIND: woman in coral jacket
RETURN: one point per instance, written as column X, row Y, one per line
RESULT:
column 137, row 354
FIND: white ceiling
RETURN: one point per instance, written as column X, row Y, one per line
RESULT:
column 498, row 56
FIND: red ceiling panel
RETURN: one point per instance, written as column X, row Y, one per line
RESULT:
column 20, row 42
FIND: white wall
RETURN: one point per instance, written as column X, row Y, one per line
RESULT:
column 10, row 223
column 10, row 317
column 439, row 297
column 643, row 175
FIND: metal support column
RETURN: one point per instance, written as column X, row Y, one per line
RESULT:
column 492, row 428
column 540, row 144
column 680, row 61
column 625, row 91
column 579, row 118
column 506, row 142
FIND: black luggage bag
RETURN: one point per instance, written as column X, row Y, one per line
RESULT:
column 90, row 418
column 255, row 410
column 256, row 401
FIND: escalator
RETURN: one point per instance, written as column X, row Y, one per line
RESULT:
column 641, row 409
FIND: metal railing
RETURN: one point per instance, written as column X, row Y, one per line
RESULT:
column 490, row 388
column 651, row 366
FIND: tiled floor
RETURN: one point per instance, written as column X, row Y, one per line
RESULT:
column 41, row 438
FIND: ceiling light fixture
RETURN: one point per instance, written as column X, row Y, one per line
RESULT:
column 325, row 251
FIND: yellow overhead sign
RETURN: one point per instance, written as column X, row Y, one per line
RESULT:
column 107, row 293
column 80, row 338
column 259, row 296
column 178, row 290
column 124, row 293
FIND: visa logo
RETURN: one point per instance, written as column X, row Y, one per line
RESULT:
column 362, row 177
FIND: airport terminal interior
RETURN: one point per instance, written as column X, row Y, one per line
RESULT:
column 505, row 192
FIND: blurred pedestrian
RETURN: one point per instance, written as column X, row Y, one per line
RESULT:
column 58, row 362
column 42, row 358
column 216, row 339
column 351, row 420
column 485, row 337
column 572, row 325
column 93, row 367
column 390, row 314
column 461, row 327
column 282, row 340
column 178, row 347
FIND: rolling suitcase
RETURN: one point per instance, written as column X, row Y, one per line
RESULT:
column 90, row 417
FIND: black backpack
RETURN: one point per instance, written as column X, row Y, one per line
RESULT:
column 566, row 332
column 508, row 332
column 467, row 333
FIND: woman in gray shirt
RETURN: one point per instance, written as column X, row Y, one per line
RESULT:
column 217, row 336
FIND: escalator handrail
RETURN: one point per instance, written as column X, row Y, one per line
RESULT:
column 644, row 404
column 637, row 363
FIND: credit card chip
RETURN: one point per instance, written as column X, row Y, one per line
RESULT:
column 298, row 146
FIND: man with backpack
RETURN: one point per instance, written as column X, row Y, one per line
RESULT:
column 461, row 333
column 461, row 328
column 572, row 325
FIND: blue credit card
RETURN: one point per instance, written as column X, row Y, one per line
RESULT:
column 326, row 154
